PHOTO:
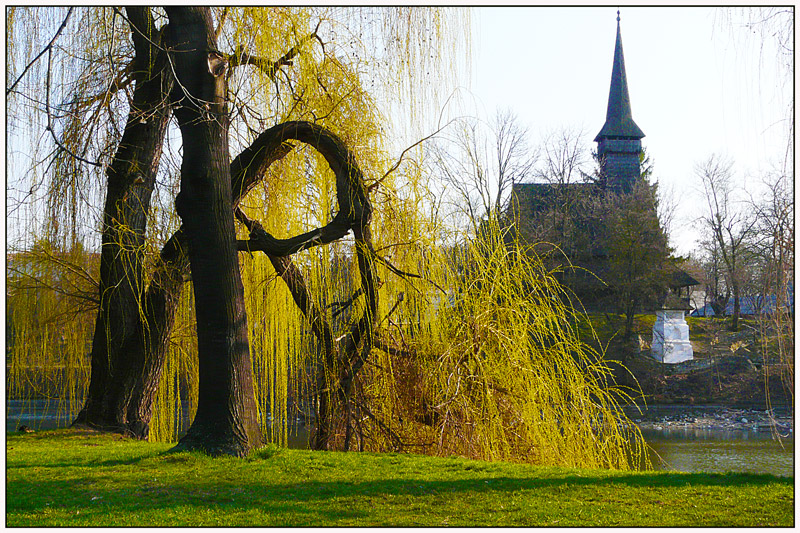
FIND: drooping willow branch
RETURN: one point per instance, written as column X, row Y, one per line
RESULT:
column 50, row 115
column 40, row 54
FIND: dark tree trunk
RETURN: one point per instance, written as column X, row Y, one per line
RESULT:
column 117, row 347
column 160, row 300
column 226, row 420
column 737, row 308
column 146, row 354
column 133, row 326
column 630, row 313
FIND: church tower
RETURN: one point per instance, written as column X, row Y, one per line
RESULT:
column 619, row 142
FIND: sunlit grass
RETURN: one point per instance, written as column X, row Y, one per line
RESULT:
column 73, row 478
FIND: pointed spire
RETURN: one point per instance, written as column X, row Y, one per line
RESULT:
column 619, row 120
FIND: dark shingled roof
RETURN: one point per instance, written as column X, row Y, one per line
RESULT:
column 619, row 120
column 681, row 278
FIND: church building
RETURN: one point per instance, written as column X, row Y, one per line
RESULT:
column 619, row 142
column 619, row 147
column 574, row 223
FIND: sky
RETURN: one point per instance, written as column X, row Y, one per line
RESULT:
column 698, row 86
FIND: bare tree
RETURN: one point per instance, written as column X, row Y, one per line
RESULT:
column 515, row 158
column 774, row 247
column 715, row 291
column 563, row 157
column 480, row 165
column 729, row 226
column 774, row 227
column 563, row 164
column 770, row 29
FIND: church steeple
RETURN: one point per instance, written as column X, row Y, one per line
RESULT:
column 619, row 120
column 619, row 142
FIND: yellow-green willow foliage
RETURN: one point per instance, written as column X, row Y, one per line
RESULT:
column 176, row 401
column 298, row 193
column 50, row 309
column 495, row 367
column 335, row 49
column 476, row 353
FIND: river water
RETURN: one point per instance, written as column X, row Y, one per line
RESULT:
column 715, row 450
column 678, row 449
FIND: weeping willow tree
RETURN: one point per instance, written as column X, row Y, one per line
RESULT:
column 355, row 307
column 498, row 369
column 138, row 304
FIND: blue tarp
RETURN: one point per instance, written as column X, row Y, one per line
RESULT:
column 750, row 305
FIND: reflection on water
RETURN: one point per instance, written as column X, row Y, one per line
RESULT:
column 706, row 450
column 37, row 414
column 42, row 415
column 680, row 449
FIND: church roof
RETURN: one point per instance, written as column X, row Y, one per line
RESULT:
column 619, row 120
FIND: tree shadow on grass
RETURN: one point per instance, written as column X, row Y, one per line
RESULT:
column 336, row 502
column 207, row 492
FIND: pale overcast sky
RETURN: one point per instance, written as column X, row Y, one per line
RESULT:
column 698, row 85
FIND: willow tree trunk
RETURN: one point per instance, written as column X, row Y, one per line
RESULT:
column 226, row 420
column 120, row 340
column 133, row 325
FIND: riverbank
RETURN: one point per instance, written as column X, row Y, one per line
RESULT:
column 740, row 371
column 81, row 478
column 712, row 417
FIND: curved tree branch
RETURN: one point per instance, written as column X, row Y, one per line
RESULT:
column 354, row 214
column 355, row 210
column 262, row 241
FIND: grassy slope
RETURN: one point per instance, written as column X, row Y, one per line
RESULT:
column 74, row 478
column 726, row 370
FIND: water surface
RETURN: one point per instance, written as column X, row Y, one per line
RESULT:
column 715, row 450
column 679, row 449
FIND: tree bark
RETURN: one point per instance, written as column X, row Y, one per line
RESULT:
column 133, row 325
column 145, row 345
column 117, row 352
column 226, row 420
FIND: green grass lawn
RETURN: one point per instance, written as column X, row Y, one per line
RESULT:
column 79, row 478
